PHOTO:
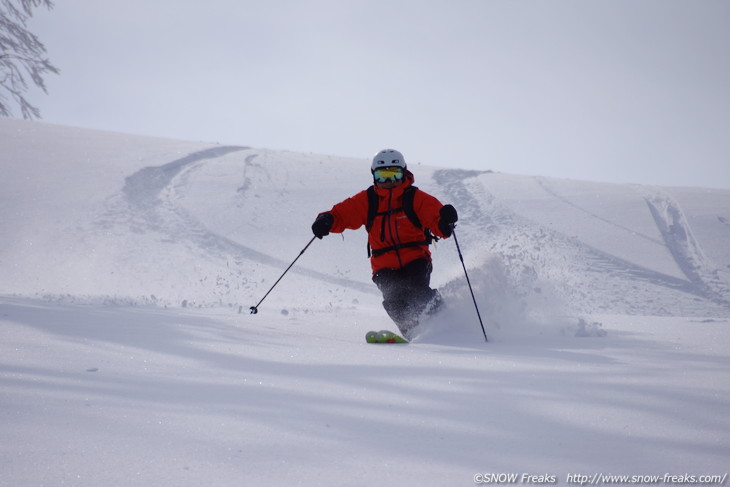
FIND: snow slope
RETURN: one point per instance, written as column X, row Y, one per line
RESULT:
column 127, row 356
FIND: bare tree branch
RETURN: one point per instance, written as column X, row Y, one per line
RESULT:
column 22, row 55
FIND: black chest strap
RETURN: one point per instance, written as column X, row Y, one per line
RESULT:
column 408, row 195
column 407, row 207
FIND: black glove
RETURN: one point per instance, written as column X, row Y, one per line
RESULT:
column 322, row 224
column 447, row 220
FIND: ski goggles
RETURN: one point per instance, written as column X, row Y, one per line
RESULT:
column 388, row 174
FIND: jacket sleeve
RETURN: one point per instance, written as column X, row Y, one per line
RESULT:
column 427, row 208
column 351, row 213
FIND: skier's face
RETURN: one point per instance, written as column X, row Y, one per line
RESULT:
column 389, row 184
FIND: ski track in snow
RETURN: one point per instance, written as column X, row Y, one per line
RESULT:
column 677, row 239
column 152, row 194
column 683, row 246
column 544, row 185
column 522, row 245
column 142, row 189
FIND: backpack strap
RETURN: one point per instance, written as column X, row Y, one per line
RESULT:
column 409, row 195
column 372, row 207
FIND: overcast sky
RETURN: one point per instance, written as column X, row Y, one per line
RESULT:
column 627, row 91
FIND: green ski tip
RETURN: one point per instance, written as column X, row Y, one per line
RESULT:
column 384, row 336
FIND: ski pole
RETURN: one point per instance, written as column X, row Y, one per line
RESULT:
column 461, row 257
column 255, row 309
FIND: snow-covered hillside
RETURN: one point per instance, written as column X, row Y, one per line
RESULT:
column 93, row 216
column 128, row 264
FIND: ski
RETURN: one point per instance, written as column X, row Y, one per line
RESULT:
column 384, row 336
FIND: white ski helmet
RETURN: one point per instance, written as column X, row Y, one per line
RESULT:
column 388, row 158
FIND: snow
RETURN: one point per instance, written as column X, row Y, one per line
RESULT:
column 128, row 357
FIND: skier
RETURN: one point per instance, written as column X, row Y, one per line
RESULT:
column 401, row 221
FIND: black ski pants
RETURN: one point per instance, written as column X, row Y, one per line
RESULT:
column 406, row 293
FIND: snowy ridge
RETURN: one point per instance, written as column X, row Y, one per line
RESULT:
column 128, row 357
column 216, row 216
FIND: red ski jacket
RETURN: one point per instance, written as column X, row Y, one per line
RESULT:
column 394, row 240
